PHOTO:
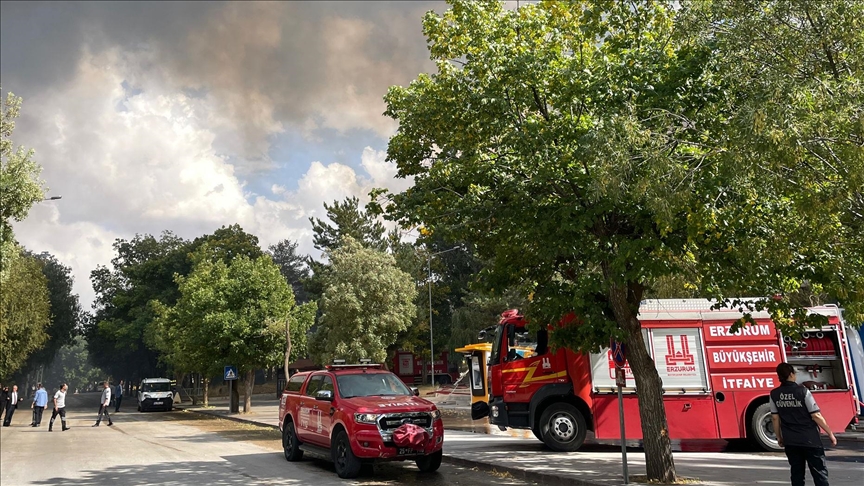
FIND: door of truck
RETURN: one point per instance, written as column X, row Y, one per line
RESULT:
column 311, row 413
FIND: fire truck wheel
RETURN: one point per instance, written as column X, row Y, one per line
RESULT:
column 562, row 427
column 762, row 429
column 430, row 463
column 347, row 464
column 290, row 444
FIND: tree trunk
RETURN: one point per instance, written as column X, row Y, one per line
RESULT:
column 206, row 392
column 659, row 464
column 287, row 347
column 247, row 399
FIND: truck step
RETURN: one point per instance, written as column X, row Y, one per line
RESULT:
column 322, row 452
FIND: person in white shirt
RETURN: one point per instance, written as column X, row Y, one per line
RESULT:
column 59, row 408
column 105, row 401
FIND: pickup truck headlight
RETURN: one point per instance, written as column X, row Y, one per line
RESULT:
column 436, row 415
column 366, row 418
column 146, row 395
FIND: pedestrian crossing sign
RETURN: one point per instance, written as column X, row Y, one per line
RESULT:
column 230, row 373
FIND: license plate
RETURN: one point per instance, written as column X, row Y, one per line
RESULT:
column 407, row 451
column 157, row 403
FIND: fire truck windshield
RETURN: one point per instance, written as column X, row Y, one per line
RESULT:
column 495, row 356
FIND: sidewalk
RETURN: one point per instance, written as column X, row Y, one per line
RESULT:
column 596, row 464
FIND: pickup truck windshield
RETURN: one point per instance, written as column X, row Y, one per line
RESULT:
column 372, row 384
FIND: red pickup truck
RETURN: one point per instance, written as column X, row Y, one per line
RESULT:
column 356, row 415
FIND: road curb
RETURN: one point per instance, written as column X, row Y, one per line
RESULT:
column 228, row 417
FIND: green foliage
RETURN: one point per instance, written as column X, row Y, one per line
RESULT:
column 71, row 365
column 66, row 314
column 366, row 302
column 24, row 313
column 293, row 267
column 348, row 220
column 123, row 337
column 20, row 186
column 590, row 150
column 232, row 314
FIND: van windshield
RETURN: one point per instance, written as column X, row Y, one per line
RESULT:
column 156, row 387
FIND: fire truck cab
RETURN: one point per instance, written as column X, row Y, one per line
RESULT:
column 716, row 383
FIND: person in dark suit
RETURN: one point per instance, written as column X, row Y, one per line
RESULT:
column 11, row 405
column 4, row 393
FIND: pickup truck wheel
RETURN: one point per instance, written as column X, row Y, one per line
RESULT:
column 430, row 463
column 347, row 464
column 290, row 444
column 562, row 427
column 762, row 429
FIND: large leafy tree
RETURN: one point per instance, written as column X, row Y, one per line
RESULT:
column 122, row 338
column 366, row 302
column 24, row 313
column 591, row 149
column 67, row 317
column 20, row 186
column 234, row 313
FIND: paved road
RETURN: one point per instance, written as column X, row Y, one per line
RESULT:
column 180, row 448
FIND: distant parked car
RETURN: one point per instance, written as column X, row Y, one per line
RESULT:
column 155, row 394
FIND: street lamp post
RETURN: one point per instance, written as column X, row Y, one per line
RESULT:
column 431, row 342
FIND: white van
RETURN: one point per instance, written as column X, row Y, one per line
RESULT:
column 155, row 394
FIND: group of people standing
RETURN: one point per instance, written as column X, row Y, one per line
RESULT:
column 10, row 399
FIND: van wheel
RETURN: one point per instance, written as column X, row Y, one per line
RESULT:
column 430, row 463
column 762, row 429
column 562, row 427
column 290, row 444
column 347, row 464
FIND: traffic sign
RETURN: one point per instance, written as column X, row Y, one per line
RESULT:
column 230, row 373
column 619, row 353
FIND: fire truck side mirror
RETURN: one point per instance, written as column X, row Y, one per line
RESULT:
column 481, row 336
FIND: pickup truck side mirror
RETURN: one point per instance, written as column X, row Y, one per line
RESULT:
column 415, row 391
column 325, row 395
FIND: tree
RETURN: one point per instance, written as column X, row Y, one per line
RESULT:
column 293, row 267
column 367, row 301
column 348, row 220
column 24, row 313
column 589, row 150
column 121, row 336
column 65, row 311
column 71, row 365
column 20, row 186
column 234, row 312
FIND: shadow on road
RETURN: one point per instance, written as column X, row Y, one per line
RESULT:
column 167, row 474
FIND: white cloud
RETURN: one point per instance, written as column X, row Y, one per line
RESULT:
column 143, row 162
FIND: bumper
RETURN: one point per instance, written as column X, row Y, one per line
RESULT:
column 368, row 444
column 498, row 413
column 157, row 403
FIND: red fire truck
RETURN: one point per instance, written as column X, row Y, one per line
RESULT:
column 410, row 368
column 716, row 383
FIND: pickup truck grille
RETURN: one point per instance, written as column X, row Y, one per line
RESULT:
column 392, row 421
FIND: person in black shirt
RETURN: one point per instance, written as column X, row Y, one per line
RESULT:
column 796, row 421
